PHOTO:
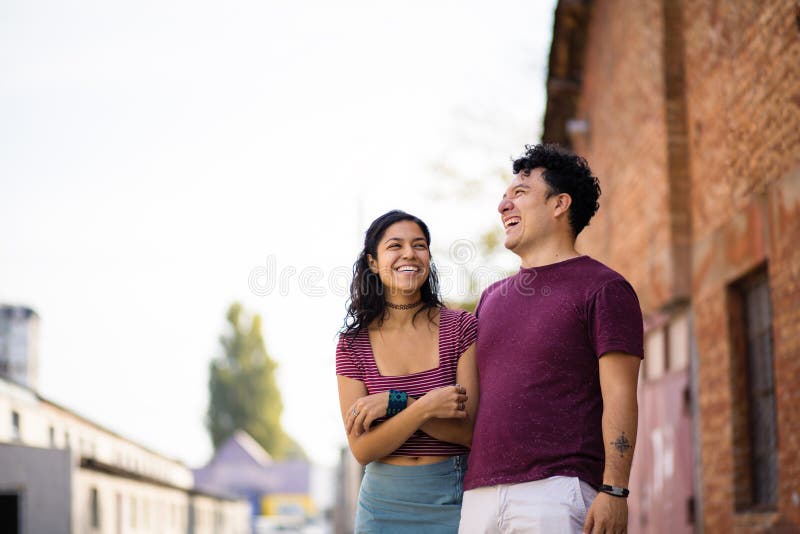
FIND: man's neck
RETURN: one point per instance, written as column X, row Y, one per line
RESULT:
column 554, row 251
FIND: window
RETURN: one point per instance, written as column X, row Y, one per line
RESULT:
column 67, row 444
column 133, row 512
column 666, row 344
column 15, row 433
column 655, row 354
column 94, row 508
column 755, row 430
column 678, row 341
column 118, row 511
column 52, row 437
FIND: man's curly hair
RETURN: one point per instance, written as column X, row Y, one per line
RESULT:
column 564, row 172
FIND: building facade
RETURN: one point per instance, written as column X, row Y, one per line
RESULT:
column 688, row 111
column 62, row 473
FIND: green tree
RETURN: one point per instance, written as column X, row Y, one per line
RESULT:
column 242, row 389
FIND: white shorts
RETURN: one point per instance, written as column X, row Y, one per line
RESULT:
column 553, row 505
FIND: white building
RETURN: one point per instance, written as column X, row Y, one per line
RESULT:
column 62, row 473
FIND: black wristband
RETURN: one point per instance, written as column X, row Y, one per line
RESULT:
column 616, row 491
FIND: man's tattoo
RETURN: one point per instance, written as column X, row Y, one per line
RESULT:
column 621, row 444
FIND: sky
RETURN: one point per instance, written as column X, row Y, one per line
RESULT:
column 162, row 159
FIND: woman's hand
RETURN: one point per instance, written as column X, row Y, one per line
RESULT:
column 447, row 402
column 364, row 411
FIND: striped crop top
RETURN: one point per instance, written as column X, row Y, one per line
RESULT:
column 458, row 330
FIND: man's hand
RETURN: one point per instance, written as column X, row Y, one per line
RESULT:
column 607, row 515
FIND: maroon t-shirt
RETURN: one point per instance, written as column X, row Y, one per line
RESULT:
column 541, row 333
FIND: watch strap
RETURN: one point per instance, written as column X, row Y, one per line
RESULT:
column 616, row 491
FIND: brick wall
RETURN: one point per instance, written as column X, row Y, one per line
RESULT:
column 622, row 99
column 743, row 115
column 693, row 109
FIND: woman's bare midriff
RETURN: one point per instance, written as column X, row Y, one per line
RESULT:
column 412, row 460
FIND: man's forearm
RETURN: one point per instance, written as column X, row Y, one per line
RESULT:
column 619, row 374
column 619, row 436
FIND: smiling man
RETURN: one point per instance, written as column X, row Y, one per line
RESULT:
column 559, row 348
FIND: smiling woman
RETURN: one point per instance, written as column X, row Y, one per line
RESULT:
column 407, row 383
column 375, row 272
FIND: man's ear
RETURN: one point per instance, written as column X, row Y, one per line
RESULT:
column 373, row 264
column 563, row 202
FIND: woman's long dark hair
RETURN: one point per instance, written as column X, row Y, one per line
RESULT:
column 367, row 299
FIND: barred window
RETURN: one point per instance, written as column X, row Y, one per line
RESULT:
column 755, row 355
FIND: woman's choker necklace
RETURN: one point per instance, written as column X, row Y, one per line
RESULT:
column 403, row 306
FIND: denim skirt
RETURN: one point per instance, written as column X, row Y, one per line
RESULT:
column 397, row 499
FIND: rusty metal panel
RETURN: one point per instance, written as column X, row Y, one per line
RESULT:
column 661, row 477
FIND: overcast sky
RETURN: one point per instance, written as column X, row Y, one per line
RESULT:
column 161, row 159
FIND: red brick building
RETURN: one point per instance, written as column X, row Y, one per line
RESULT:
column 689, row 113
